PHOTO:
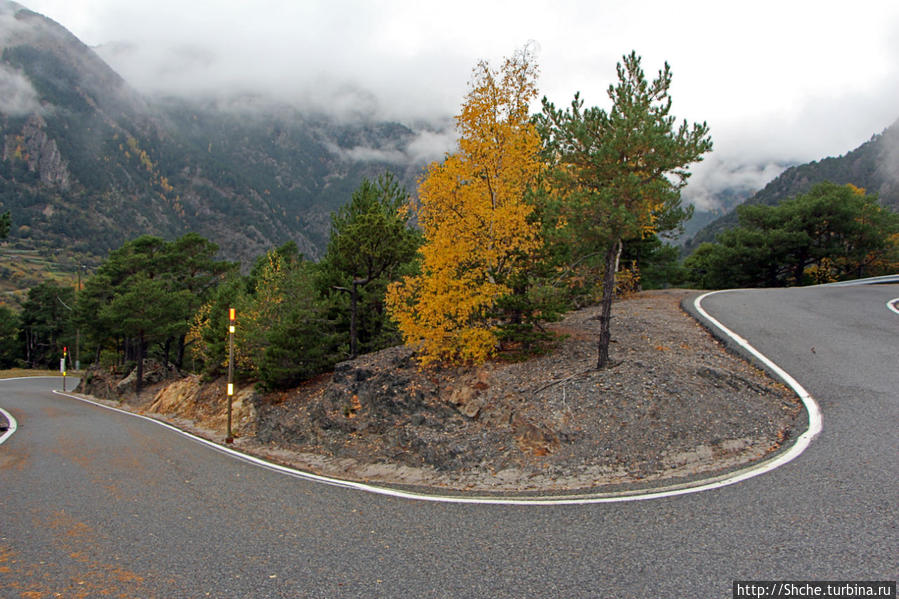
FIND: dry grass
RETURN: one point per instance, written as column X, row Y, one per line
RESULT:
column 23, row 372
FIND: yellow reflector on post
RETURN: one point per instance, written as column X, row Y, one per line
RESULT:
column 230, row 388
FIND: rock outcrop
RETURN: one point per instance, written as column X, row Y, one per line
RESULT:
column 206, row 404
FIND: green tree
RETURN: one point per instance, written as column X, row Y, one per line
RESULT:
column 148, row 311
column 10, row 346
column 287, row 254
column 657, row 263
column 302, row 341
column 284, row 333
column 5, row 224
column 47, row 324
column 620, row 172
column 180, row 275
column 190, row 265
column 832, row 233
column 371, row 242
column 757, row 254
column 208, row 335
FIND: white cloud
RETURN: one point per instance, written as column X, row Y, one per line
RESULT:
column 715, row 175
column 17, row 96
column 367, row 154
column 427, row 146
column 430, row 146
column 777, row 81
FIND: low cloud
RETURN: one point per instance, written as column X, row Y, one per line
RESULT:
column 428, row 145
column 365, row 154
column 786, row 101
column 11, row 29
column 717, row 182
column 17, row 95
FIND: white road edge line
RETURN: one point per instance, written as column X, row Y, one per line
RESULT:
column 12, row 426
column 802, row 442
column 891, row 305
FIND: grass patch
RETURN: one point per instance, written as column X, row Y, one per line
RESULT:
column 13, row 373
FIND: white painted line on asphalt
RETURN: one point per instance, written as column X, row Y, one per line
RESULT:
column 814, row 427
column 885, row 279
column 811, row 406
column 12, row 426
column 892, row 305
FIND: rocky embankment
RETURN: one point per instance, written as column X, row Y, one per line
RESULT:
column 675, row 405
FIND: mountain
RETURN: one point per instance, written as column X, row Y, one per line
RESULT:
column 87, row 163
column 726, row 199
column 874, row 166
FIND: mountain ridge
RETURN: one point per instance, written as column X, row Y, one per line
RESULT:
column 874, row 166
column 87, row 162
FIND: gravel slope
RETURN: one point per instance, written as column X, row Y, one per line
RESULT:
column 675, row 406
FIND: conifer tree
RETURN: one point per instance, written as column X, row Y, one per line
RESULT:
column 370, row 242
column 620, row 172
column 5, row 224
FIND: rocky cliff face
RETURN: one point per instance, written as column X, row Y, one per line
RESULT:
column 39, row 152
column 113, row 165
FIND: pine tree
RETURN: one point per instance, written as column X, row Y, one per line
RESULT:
column 370, row 241
column 5, row 224
column 621, row 172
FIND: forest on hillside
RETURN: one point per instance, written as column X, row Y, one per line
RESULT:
column 532, row 215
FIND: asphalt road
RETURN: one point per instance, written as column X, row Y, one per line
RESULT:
column 94, row 503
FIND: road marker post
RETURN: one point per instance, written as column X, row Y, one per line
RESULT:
column 62, row 366
column 230, row 391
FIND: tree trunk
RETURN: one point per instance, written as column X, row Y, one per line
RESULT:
column 798, row 269
column 354, row 309
column 181, row 347
column 608, row 294
column 140, row 365
column 28, row 348
column 354, row 295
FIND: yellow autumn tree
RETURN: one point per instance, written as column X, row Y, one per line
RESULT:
column 475, row 219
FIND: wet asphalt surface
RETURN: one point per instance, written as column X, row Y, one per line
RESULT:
column 94, row 503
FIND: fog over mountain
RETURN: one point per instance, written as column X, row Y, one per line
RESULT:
column 18, row 94
column 873, row 166
column 375, row 85
column 779, row 83
column 88, row 162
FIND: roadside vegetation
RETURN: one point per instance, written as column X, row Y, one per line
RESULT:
column 532, row 215
column 14, row 373
column 832, row 233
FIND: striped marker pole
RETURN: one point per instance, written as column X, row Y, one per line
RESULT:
column 62, row 366
column 231, row 318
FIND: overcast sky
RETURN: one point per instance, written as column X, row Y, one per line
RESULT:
column 777, row 81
